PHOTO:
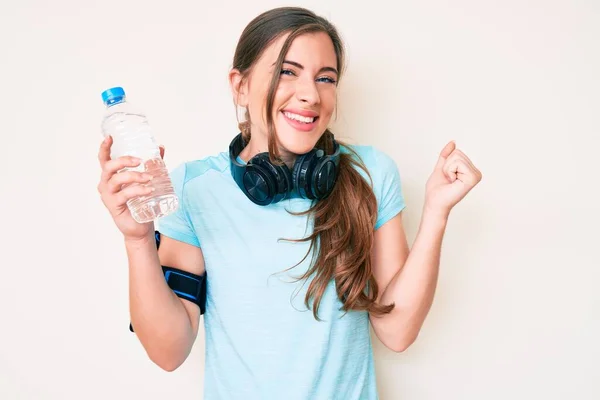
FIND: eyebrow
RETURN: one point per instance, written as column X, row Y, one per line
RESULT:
column 298, row 65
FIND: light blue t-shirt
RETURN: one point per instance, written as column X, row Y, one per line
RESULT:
column 261, row 341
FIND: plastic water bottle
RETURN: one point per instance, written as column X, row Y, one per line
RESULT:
column 131, row 135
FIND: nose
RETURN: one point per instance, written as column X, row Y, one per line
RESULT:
column 307, row 91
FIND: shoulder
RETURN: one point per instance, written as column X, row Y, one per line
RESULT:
column 377, row 162
column 208, row 167
column 384, row 177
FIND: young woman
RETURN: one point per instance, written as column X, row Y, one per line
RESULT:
column 300, row 237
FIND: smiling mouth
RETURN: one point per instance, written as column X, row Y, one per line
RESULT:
column 299, row 118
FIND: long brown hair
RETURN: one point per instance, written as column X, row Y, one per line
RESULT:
column 344, row 222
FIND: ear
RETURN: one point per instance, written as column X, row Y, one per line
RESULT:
column 239, row 88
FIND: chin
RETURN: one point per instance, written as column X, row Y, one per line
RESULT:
column 298, row 141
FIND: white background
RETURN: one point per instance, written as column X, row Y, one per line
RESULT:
column 516, row 84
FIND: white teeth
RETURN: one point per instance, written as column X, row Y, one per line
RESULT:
column 306, row 120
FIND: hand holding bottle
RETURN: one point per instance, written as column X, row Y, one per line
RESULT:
column 117, row 188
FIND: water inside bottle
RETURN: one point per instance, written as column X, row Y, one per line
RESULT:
column 162, row 201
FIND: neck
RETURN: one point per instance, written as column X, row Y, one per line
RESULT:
column 255, row 147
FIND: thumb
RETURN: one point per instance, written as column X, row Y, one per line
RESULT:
column 446, row 151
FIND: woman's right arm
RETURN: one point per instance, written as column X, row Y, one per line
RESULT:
column 165, row 324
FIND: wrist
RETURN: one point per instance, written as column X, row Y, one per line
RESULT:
column 140, row 241
column 435, row 214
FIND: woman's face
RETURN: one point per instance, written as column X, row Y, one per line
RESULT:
column 305, row 98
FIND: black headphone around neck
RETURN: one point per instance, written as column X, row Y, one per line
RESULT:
column 313, row 176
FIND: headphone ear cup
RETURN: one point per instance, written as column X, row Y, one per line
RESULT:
column 302, row 174
column 283, row 181
column 260, row 180
column 277, row 180
column 258, row 185
column 324, row 177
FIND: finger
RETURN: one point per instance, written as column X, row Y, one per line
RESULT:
column 104, row 152
column 125, row 178
column 476, row 174
column 448, row 167
column 463, row 156
column 453, row 167
column 460, row 170
column 162, row 151
column 113, row 166
column 131, row 192
column 469, row 179
column 446, row 151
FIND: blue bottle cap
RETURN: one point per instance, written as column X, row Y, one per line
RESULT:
column 113, row 95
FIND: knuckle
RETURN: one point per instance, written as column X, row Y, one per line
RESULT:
column 113, row 184
column 111, row 177
column 111, row 165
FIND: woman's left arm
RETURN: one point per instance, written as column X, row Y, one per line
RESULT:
column 408, row 278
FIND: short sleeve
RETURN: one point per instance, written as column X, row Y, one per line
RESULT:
column 387, row 186
column 178, row 225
